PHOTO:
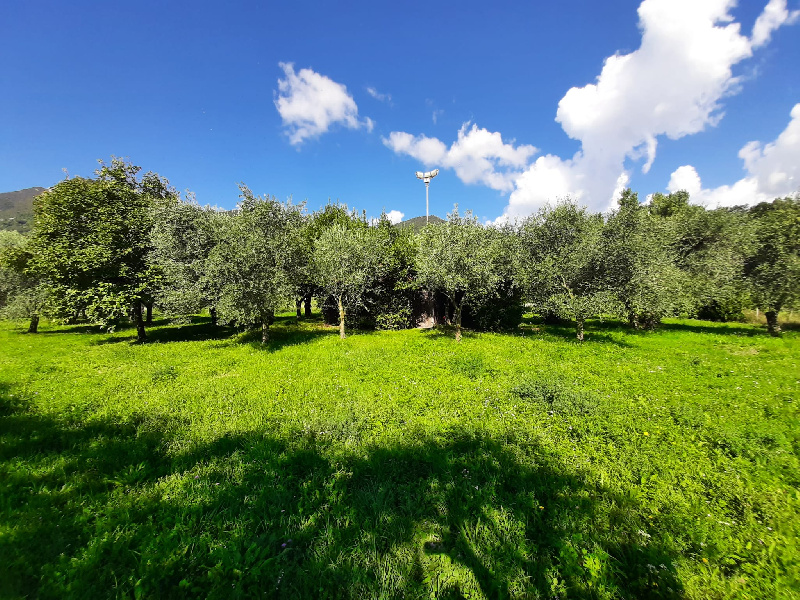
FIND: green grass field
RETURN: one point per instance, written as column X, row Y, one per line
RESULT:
column 400, row 464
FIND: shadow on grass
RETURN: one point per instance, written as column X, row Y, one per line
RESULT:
column 716, row 328
column 601, row 331
column 284, row 332
column 441, row 332
column 104, row 509
column 193, row 332
column 282, row 337
column 594, row 331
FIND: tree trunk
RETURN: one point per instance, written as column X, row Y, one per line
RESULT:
column 579, row 328
column 34, row 326
column 458, row 324
column 341, row 319
column 149, row 307
column 307, row 301
column 141, row 336
column 772, row 322
column 298, row 302
column 213, row 312
column 264, row 330
column 632, row 321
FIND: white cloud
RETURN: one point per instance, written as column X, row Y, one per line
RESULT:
column 773, row 170
column 685, row 178
column 395, row 216
column 378, row 96
column 310, row 103
column 672, row 85
column 774, row 15
column 428, row 151
column 477, row 156
column 549, row 178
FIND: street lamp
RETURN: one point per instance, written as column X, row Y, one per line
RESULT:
column 426, row 177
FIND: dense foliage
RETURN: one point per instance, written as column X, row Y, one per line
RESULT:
column 102, row 248
column 91, row 242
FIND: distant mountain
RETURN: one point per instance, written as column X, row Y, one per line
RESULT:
column 418, row 223
column 16, row 209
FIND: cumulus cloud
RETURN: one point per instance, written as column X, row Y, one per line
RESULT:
column 477, row 156
column 395, row 216
column 310, row 103
column 672, row 85
column 774, row 15
column 773, row 170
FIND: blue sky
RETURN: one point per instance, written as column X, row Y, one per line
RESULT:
column 518, row 103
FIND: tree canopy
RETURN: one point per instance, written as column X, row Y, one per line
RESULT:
column 103, row 247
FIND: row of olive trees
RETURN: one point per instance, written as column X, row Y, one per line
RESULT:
column 642, row 262
column 102, row 248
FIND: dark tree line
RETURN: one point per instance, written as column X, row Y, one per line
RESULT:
column 110, row 248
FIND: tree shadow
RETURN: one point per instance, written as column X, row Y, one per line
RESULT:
column 197, row 331
column 716, row 329
column 67, row 329
column 281, row 337
column 103, row 508
column 594, row 332
column 285, row 331
column 440, row 332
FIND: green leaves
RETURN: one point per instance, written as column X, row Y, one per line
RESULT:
column 563, row 261
column 465, row 261
column 92, row 238
column 250, row 267
column 639, row 264
column 772, row 268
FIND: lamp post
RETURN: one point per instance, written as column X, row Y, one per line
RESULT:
column 426, row 177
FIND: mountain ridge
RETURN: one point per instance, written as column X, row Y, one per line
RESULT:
column 418, row 223
column 16, row 209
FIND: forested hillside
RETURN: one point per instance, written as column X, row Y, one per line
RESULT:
column 16, row 209
column 418, row 223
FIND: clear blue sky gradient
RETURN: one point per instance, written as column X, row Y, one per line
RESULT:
column 187, row 89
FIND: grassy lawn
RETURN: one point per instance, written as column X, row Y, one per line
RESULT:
column 400, row 464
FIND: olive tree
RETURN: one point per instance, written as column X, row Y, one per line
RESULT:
column 772, row 268
column 22, row 294
column 347, row 262
column 252, row 262
column 183, row 236
column 639, row 260
column 307, row 284
column 563, row 263
column 710, row 249
column 462, row 260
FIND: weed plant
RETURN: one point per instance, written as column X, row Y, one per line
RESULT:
column 399, row 464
